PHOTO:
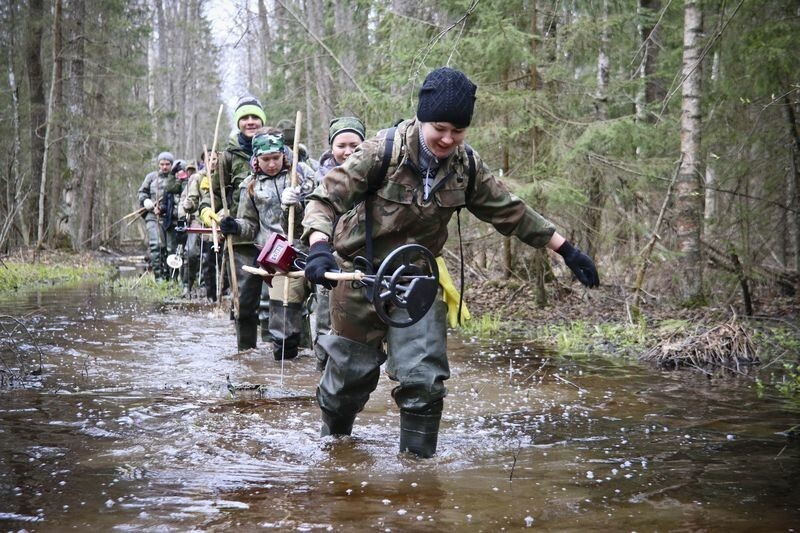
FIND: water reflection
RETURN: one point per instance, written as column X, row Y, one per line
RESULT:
column 133, row 426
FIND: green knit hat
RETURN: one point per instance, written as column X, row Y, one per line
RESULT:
column 249, row 105
column 343, row 124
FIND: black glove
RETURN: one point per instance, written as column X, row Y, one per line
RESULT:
column 580, row 264
column 177, row 166
column 319, row 261
column 229, row 226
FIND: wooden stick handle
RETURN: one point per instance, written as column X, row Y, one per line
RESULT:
column 214, row 236
column 334, row 276
column 295, row 162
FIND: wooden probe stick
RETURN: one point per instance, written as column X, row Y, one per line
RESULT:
column 229, row 244
column 290, row 232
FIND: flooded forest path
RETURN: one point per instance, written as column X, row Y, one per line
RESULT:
column 132, row 426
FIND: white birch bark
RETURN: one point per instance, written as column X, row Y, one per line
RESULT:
column 689, row 198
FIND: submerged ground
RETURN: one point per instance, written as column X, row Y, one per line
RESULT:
column 133, row 426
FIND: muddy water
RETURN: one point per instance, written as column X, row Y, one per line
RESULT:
column 133, row 427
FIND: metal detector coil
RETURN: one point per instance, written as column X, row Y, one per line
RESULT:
column 175, row 261
column 408, row 279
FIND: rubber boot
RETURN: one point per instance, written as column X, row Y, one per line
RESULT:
column 284, row 329
column 321, row 356
column 283, row 351
column 263, row 313
column 246, row 334
column 265, row 335
column 419, row 430
column 336, row 425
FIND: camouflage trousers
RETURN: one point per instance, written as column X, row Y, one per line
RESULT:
column 416, row 356
column 285, row 321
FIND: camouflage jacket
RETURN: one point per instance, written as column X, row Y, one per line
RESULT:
column 398, row 212
column 190, row 197
column 236, row 164
column 260, row 212
column 157, row 186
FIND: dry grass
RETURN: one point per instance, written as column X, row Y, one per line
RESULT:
column 727, row 345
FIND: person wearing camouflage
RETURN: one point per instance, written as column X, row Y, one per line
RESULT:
column 234, row 162
column 266, row 195
column 344, row 136
column 430, row 176
column 187, row 209
column 158, row 198
column 234, row 165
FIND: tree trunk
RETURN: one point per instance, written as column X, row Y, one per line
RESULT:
column 57, row 124
column 508, row 258
column 539, row 264
column 69, row 220
column 689, row 196
column 793, row 182
column 710, row 176
column 315, row 11
column 344, row 18
column 266, row 44
column 49, row 121
column 163, row 78
column 594, row 211
column 649, row 34
column 13, row 193
column 36, row 96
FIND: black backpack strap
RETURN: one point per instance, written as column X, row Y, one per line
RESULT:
column 471, row 176
column 373, row 189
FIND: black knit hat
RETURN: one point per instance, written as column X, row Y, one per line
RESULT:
column 447, row 95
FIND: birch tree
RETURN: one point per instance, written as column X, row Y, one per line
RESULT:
column 688, row 192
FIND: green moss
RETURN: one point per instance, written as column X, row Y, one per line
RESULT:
column 145, row 287
column 485, row 327
column 578, row 337
column 16, row 276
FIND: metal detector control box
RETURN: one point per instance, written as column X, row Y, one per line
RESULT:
column 277, row 255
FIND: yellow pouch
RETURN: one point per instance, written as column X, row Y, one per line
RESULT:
column 451, row 295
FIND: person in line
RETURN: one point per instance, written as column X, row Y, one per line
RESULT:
column 210, row 261
column 344, row 136
column 234, row 164
column 266, row 195
column 187, row 217
column 157, row 197
column 431, row 175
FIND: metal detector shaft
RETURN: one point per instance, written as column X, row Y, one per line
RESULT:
column 333, row 276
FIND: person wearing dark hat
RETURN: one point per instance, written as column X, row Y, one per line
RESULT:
column 261, row 213
column 431, row 173
column 344, row 136
column 160, row 212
